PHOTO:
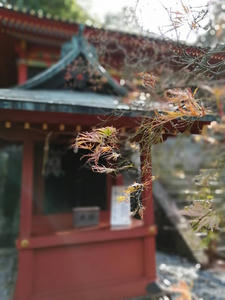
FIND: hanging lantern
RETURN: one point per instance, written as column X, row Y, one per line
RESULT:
column 61, row 127
column 78, row 128
column 44, row 126
column 26, row 125
column 8, row 124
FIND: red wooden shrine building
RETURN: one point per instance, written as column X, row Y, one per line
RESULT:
column 56, row 260
column 31, row 42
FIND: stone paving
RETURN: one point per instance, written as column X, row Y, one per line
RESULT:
column 208, row 284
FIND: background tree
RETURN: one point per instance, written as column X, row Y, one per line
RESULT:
column 215, row 29
column 67, row 9
column 125, row 20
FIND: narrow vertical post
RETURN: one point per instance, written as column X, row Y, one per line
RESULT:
column 149, row 241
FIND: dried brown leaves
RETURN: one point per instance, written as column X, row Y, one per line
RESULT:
column 183, row 289
column 102, row 144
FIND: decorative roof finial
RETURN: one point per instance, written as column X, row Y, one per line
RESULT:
column 81, row 30
column 80, row 35
column 76, row 43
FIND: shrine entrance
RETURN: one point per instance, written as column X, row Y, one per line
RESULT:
column 64, row 181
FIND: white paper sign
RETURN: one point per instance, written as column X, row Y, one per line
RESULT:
column 120, row 210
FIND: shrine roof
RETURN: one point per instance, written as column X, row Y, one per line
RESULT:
column 44, row 29
column 74, row 102
column 78, row 69
column 52, row 90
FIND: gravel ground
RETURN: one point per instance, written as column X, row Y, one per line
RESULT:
column 8, row 266
column 208, row 285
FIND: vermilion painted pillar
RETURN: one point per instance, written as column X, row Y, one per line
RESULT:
column 149, row 241
column 21, row 48
column 24, row 279
column 22, row 71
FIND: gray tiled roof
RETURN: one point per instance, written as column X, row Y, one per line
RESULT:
column 61, row 101
column 73, row 102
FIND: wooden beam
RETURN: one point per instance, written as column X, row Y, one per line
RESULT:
column 78, row 237
column 37, row 117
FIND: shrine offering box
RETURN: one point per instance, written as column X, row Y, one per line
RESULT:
column 85, row 216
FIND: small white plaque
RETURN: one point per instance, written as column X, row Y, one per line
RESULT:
column 120, row 210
